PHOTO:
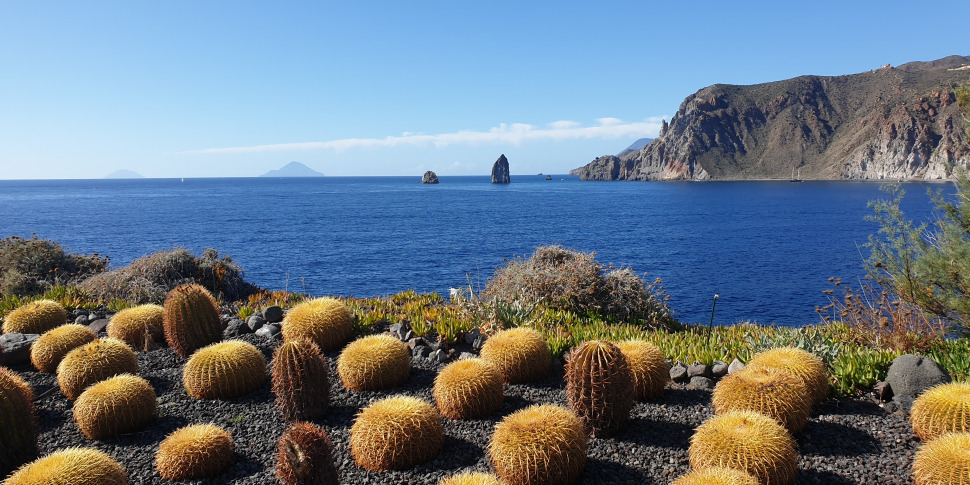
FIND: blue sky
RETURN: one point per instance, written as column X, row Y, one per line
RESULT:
column 201, row 89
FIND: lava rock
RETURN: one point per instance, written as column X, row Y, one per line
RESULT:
column 466, row 355
column 268, row 331
column 698, row 370
column 719, row 369
column 273, row 314
column 883, row 391
column 421, row 352
column 81, row 320
column 416, row 342
column 735, row 366
column 15, row 347
column 235, row 328
column 678, row 373
column 98, row 325
column 255, row 322
column 440, row 356
column 500, row 171
column 429, row 178
column 700, row 383
column 912, row 374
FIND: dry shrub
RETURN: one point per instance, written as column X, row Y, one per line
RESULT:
column 31, row 266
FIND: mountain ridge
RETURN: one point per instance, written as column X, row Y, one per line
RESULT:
column 293, row 169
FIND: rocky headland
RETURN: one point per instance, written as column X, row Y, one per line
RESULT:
column 500, row 171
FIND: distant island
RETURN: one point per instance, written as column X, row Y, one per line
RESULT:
column 124, row 174
column 293, row 169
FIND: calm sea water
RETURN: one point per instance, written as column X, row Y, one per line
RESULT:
column 767, row 248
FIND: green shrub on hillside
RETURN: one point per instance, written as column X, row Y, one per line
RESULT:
column 31, row 266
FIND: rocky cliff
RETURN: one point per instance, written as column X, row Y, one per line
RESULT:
column 890, row 123
column 500, row 171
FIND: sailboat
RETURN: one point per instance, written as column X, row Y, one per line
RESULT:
column 796, row 178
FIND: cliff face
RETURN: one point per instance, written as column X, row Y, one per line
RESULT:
column 889, row 123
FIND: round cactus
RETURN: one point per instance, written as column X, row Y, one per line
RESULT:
column 224, row 370
column 520, row 354
column 94, row 362
column 942, row 409
column 944, row 460
column 396, row 433
column 18, row 427
column 648, row 366
column 305, row 456
column 301, row 380
column 599, row 387
column 767, row 390
column 748, row 441
column 326, row 321
column 374, row 362
column 472, row 478
column 117, row 405
column 195, row 451
column 138, row 325
column 468, row 388
column 191, row 319
column 77, row 466
column 716, row 476
column 539, row 445
column 37, row 317
column 54, row 344
column 799, row 363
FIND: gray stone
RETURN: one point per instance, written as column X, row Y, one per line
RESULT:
column 16, row 347
column 417, row 342
column 235, row 328
column 466, row 355
column 273, row 314
column 883, row 391
column 735, row 366
column 421, row 352
column 698, row 370
column 470, row 337
column 701, row 382
column 478, row 342
column 269, row 331
column 98, row 325
column 408, row 335
column 81, row 320
column 678, row 373
column 903, row 402
column 255, row 322
column 500, row 171
column 910, row 375
column 429, row 178
column 225, row 318
column 440, row 356
column 719, row 369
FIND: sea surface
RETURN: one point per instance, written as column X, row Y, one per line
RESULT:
column 766, row 248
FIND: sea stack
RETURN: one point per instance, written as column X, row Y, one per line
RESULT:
column 500, row 171
column 429, row 178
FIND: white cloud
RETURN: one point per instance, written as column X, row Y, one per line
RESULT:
column 515, row 133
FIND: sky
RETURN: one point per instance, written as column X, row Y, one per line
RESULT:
column 225, row 89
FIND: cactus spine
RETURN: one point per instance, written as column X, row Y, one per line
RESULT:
column 473, row 478
column 520, row 354
column 326, row 321
column 75, row 466
column 599, row 388
column 770, row 391
column 117, row 405
column 191, row 319
column 396, row 433
column 801, row 364
column 301, row 380
column 18, row 428
column 305, row 456
column 942, row 409
column 748, row 441
column 94, row 362
column 138, row 326
column 195, row 451
column 374, row 362
column 539, row 445
column 37, row 317
column 716, row 476
column 944, row 460
column 54, row 344
column 224, row 370
column 648, row 366
column 468, row 388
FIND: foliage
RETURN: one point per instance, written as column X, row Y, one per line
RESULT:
column 31, row 266
column 860, row 368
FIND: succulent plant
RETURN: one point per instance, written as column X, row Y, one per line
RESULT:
column 472, row 478
column 195, row 451
column 224, row 370
column 138, row 326
column 944, row 460
column 54, row 344
column 301, row 380
column 599, row 387
column 748, row 441
column 468, row 388
column 117, row 405
column 396, row 433
column 941, row 409
column 326, row 321
column 94, row 362
column 539, row 445
column 648, row 366
column 520, row 354
column 37, row 317
column 305, row 456
column 76, row 466
column 767, row 390
column 799, row 363
column 716, row 476
column 374, row 362
column 18, row 427
column 191, row 319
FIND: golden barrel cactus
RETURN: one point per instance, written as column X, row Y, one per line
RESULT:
column 941, row 409
column 37, row 317
column 224, row 370
column 195, row 451
column 944, row 460
column 374, row 362
column 117, row 405
column 520, row 354
column 648, row 366
column 799, row 363
column 599, row 387
column 301, row 380
column 716, row 476
column 191, row 320
column 396, row 433
column 94, row 362
column 305, row 456
column 74, row 466
column 18, row 426
column 745, row 440
column 767, row 390
column 138, row 325
column 326, row 321
column 539, row 445
column 472, row 478
column 468, row 389
column 54, row 344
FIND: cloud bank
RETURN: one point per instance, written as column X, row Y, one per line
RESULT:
column 514, row 133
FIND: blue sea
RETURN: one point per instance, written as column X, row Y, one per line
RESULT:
column 767, row 248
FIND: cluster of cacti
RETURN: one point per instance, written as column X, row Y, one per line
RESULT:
column 716, row 475
column 54, row 344
column 195, row 451
column 648, row 366
column 301, row 380
column 224, row 370
column 191, row 320
column 539, row 445
column 747, row 441
column 520, row 354
column 767, row 390
column 944, row 460
column 37, row 317
column 942, row 409
column 799, row 363
column 396, row 433
column 374, row 362
column 468, row 388
column 93, row 362
column 305, row 456
column 117, row 405
column 472, row 478
column 599, row 387
column 326, row 321
column 74, row 466
column 18, row 428
column 139, row 326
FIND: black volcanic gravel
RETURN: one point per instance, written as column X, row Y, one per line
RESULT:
column 846, row 441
